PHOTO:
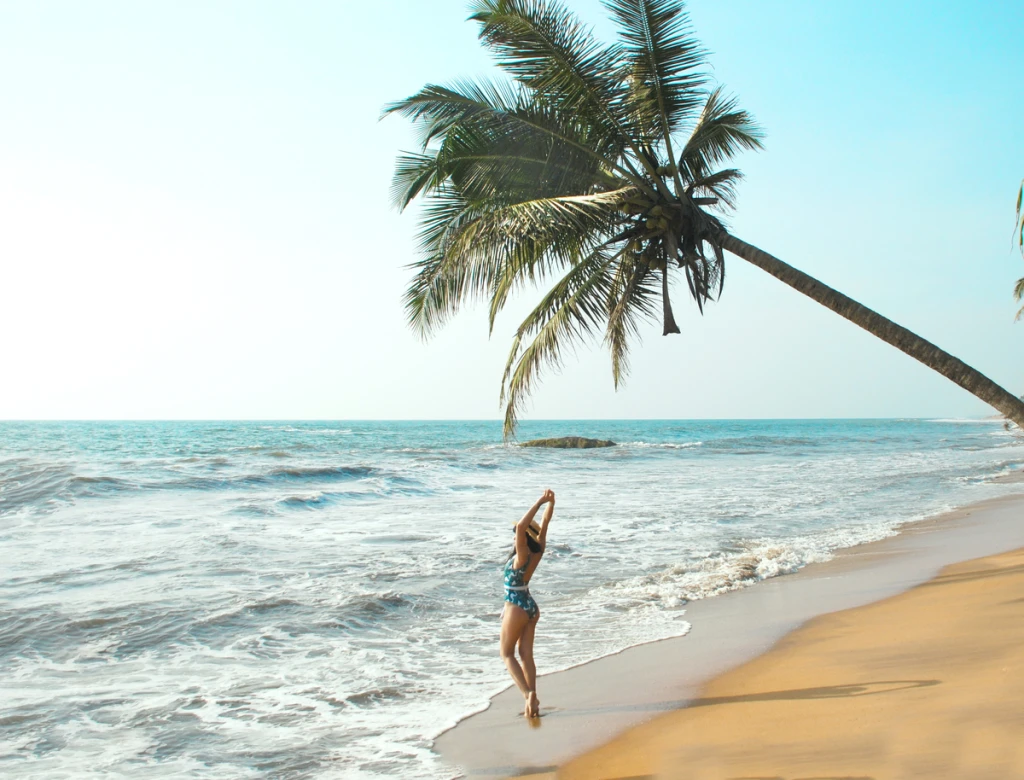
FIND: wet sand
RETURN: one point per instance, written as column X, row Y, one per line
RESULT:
column 926, row 684
column 591, row 704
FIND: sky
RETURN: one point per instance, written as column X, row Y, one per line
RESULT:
column 195, row 224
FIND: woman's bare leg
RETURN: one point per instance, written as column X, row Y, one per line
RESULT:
column 529, row 667
column 514, row 621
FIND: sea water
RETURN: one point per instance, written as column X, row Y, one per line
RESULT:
column 321, row 599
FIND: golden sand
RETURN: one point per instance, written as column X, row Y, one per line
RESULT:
column 927, row 684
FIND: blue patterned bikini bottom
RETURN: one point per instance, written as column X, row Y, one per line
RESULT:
column 523, row 600
column 516, row 592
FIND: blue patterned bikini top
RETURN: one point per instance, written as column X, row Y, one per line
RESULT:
column 513, row 576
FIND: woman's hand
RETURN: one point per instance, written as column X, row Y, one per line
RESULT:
column 548, row 497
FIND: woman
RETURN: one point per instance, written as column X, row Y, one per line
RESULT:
column 520, row 615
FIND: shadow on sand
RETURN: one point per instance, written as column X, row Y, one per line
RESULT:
column 821, row 692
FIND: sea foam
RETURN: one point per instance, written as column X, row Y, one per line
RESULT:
column 322, row 599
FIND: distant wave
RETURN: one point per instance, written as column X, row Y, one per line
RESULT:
column 967, row 420
column 25, row 483
column 314, row 431
column 98, row 486
column 318, row 499
column 765, row 442
column 398, row 539
column 667, row 445
column 375, row 696
column 322, row 472
column 307, row 474
column 738, row 445
column 375, row 605
column 272, row 452
column 310, row 501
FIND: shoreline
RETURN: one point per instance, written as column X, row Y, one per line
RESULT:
column 881, row 690
column 587, row 705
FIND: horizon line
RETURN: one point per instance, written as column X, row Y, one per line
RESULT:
column 989, row 418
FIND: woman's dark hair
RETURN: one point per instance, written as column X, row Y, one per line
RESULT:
column 532, row 543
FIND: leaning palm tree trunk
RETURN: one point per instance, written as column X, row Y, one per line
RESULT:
column 950, row 367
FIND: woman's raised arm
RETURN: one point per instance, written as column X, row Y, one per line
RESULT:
column 522, row 549
column 549, row 495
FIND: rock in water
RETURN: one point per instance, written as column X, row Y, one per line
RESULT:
column 569, row 443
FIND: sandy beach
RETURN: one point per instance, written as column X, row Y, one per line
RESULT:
column 929, row 683
column 901, row 658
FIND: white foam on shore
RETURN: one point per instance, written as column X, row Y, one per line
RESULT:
column 373, row 594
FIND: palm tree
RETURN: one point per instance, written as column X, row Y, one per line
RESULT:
column 598, row 170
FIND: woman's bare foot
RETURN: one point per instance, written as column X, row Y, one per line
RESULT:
column 532, row 705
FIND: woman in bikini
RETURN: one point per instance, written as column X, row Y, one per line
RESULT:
column 521, row 613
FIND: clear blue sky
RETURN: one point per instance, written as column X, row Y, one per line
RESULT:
column 194, row 219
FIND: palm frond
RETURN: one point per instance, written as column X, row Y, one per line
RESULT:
column 665, row 59
column 535, row 220
column 439, row 286
column 436, row 108
column 721, row 185
column 496, row 215
column 415, row 174
column 572, row 310
column 479, row 249
column 633, row 298
column 498, row 165
column 720, row 133
column 503, row 109
column 503, row 163
column 544, row 47
column 535, row 238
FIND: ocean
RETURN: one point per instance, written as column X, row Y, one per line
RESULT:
column 321, row 599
